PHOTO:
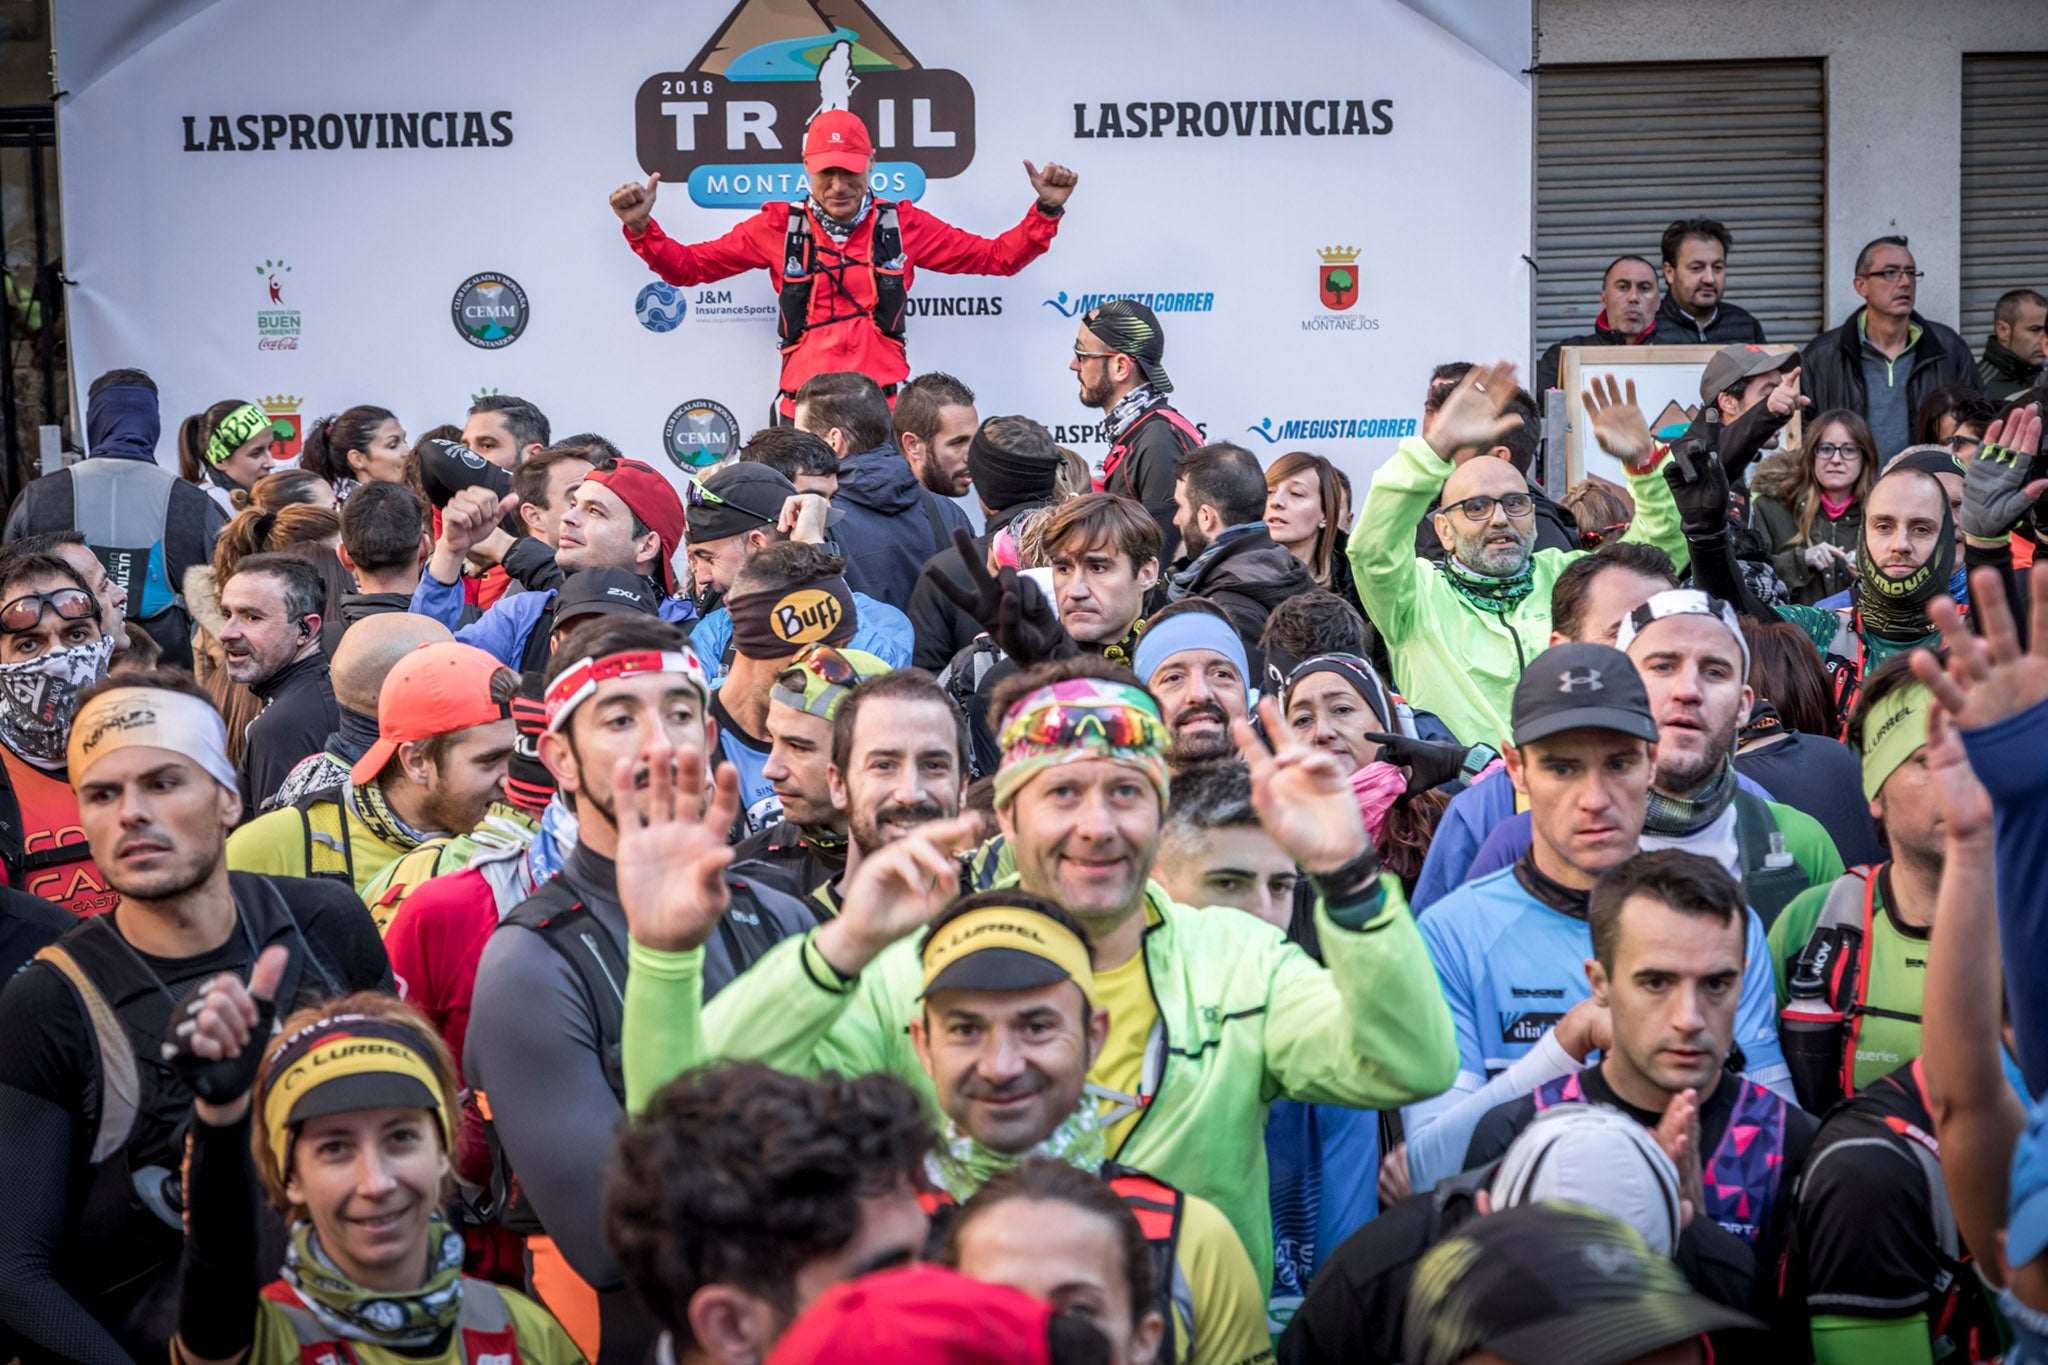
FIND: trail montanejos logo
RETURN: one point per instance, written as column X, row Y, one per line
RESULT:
column 700, row 433
column 731, row 123
column 489, row 310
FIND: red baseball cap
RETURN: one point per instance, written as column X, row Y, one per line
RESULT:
column 651, row 498
column 840, row 140
column 435, row 690
column 923, row 1315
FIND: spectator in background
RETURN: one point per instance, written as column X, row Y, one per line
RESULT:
column 270, row 636
column 1627, row 317
column 2018, row 344
column 505, row 430
column 314, row 533
column 1233, row 560
column 1603, row 509
column 1118, row 359
column 1955, row 417
column 225, row 450
column 1883, row 362
column 1787, row 746
column 795, row 454
column 385, row 542
column 1305, row 514
column 892, row 523
column 1695, row 310
column 1812, row 514
column 935, row 422
column 365, row 444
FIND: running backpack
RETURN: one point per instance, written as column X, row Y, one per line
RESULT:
column 801, row 266
column 1827, row 988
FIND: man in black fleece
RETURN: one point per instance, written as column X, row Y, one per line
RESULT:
column 1232, row 560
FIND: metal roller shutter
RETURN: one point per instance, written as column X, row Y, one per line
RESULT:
column 2005, row 182
column 1622, row 151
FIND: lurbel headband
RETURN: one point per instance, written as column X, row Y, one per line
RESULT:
column 1005, row 947
column 345, row 1063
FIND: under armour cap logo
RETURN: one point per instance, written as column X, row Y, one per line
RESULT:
column 1609, row 1260
column 1589, row 679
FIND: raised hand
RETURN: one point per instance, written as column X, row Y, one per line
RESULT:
column 1471, row 421
column 466, row 522
column 217, row 1035
column 1586, row 1028
column 634, row 203
column 1618, row 424
column 1302, row 795
column 803, row 518
column 1008, row 606
column 1678, row 1133
column 1996, row 491
column 1699, row 487
column 672, row 852
column 1429, row 763
column 1820, row 558
column 1053, row 184
column 1964, row 804
column 1785, row 398
column 897, row 891
column 1989, row 678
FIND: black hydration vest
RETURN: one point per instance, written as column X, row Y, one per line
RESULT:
column 801, row 266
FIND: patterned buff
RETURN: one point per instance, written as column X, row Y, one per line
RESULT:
column 1079, row 719
column 961, row 1165
column 1896, row 608
column 1677, row 816
column 38, row 697
column 1497, row 595
column 1125, row 410
column 418, row 1317
column 234, row 429
column 371, row 807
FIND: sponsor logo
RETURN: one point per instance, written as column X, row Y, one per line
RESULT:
column 717, row 305
column 700, row 433
column 277, row 325
column 1094, row 433
column 489, row 310
column 1527, row 1028
column 1337, row 283
column 1572, row 682
column 1332, row 429
column 956, row 306
column 731, row 123
column 626, row 593
column 354, row 132
column 660, row 307
column 1234, row 118
column 805, row 616
column 1158, row 303
column 285, row 431
column 1536, row 992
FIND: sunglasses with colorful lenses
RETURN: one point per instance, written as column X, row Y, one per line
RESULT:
column 70, row 604
column 1063, row 726
column 822, row 663
column 695, row 494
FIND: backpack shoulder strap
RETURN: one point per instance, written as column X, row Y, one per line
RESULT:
column 940, row 539
column 325, row 826
column 120, row 1082
column 588, row 948
column 483, row 1308
column 1160, row 1209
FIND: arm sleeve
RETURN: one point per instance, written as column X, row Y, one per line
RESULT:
column 1230, row 1305
column 533, row 1049
column 1743, row 439
column 1383, row 565
column 1656, row 519
column 1756, row 1018
column 664, row 1030
column 35, row 1132
column 738, row 251
column 217, row 1276
column 2011, row 759
column 1871, row 1341
column 1370, row 1030
column 935, row 244
column 1440, row 1130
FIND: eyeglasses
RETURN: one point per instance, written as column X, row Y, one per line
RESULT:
column 1063, row 727
column 1892, row 274
column 1516, row 505
column 1964, row 445
column 70, row 604
column 1080, row 354
column 1842, row 453
column 695, row 494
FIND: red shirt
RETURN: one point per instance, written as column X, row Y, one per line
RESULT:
column 852, row 343
column 49, row 827
column 435, row 942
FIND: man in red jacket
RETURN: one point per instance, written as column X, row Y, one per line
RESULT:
column 842, row 298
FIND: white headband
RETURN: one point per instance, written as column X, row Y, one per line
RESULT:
column 1683, row 602
column 122, row 717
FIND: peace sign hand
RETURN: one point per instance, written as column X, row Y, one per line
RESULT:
column 672, row 852
column 1302, row 795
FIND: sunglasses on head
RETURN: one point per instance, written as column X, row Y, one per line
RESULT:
column 1120, row 727
column 695, row 494
column 822, row 662
column 70, row 604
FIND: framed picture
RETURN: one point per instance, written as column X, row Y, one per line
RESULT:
column 1667, row 380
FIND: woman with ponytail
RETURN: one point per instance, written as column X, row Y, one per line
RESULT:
column 225, row 450
column 365, row 444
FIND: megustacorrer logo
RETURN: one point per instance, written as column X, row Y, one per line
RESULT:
column 731, row 123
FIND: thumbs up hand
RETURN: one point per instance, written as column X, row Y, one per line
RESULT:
column 634, row 203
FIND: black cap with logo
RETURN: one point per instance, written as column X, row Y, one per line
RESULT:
column 446, row 468
column 603, row 592
column 1581, row 686
column 736, row 498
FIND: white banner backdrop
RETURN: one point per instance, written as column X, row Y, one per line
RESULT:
column 304, row 203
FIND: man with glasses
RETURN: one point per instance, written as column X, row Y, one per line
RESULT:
column 1117, row 356
column 1883, row 362
column 1460, row 632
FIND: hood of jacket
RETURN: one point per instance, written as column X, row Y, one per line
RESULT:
column 1253, row 565
column 879, row 480
column 2002, row 361
column 122, row 422
column 1775, row 474
column 202, row 599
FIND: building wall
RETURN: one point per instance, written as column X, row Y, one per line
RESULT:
column 1894, row 93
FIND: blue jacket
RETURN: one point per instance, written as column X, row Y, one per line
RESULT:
column 879, row 628
column 501, row 632
column 1510, row 967
column 1322, row 1165
column 2011, row 759
column 886, row 532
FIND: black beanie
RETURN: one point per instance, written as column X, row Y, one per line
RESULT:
column 1004, row 479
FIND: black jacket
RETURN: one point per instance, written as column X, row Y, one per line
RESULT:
column 1831, row 366
column 1601, row 335
column 2004, row 374
column 1148, row 468
column 892, row 524
column 299, row 713
column 941, row 629
column 1729, row 326
column 1246, row 578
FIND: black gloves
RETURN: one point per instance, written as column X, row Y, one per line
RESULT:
column 1431, row 763
column 1009, row 607
column 1699, row 485
column 224, row 1080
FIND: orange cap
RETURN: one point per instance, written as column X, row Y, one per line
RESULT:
column 838, row 139
column 435, row 690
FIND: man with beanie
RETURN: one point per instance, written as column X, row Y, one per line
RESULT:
column 842, row 261
column 1117, row 359
column 1012, row 462
column 368, row 651
column 624, row 515
column 147, row 525
column 737, row 510
column 444, row 736
column 806, row 849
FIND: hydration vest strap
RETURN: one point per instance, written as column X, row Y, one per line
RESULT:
column 568, row 927
column 940, row 538
column 1160, row 1209
column 800, row 270
column 120, row 1086
column 329, row 853
column 1768, row 889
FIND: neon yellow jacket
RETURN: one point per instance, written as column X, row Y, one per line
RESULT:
column 1245, row 1018
column 1448, row 656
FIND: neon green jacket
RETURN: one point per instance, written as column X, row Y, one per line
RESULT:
column 1245, row 1018
column 1461, row 662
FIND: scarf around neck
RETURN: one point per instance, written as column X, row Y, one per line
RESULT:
column 840, row 229
column 1127, row 409
column 418, row 1317
column 961, row 1165
column 1674, row 817
column 373, row 808
column 1183, row 583
column 1496, row 595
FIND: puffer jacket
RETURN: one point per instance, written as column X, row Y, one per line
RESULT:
column 887, row 532
column 2003, row 373
column 1729, row 326
column 1777, row 521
